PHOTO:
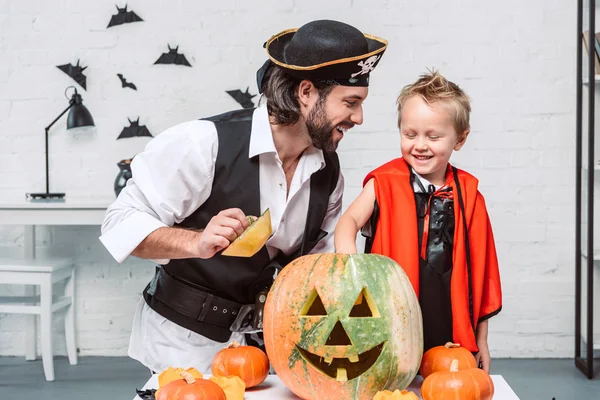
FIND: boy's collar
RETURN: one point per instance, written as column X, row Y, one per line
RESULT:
column 423, row 181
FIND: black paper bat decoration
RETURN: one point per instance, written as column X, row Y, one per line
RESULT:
column 75, row 72
column 134, row 130
column 124, row 82
column 244, row 98
column 123, row 17
column 172, row 57
column 148, row 394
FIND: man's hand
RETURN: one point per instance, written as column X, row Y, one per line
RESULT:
column 221, row 230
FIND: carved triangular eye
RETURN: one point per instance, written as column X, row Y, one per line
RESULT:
column 364, row 306
column 314, row 305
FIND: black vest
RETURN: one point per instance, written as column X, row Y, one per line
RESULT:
column 236, row 184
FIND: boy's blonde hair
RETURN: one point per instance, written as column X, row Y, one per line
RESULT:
column 433, row 87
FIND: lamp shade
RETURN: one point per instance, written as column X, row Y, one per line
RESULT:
column 79, row 115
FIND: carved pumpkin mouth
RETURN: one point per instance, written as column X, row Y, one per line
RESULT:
column 345, row 368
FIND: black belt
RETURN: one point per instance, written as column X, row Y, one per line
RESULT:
column 198, row 304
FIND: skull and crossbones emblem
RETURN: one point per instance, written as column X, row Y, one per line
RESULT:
column 367, row 66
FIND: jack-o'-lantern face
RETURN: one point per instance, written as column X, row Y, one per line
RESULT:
column 338, row 357
column 339, row 326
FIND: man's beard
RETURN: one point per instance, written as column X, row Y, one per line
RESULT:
column 320, row 128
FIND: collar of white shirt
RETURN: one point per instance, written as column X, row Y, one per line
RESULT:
column 424, row 182
column 261, row 139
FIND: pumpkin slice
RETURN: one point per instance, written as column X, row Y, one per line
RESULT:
column 233, row 386
column 252, row 239
column 395, row 395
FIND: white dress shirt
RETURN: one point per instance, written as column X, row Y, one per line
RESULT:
column 424, row 182
column 172, row 178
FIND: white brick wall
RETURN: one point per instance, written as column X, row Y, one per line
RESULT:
column 515, row 59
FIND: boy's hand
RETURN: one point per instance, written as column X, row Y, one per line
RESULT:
column 483, row 357
column 355, row 217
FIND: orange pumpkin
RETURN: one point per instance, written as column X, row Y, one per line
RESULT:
column 339, row 326
column 249, row 363
column 172, row 374
column 189, row 388
column 396, row 395
column 438, row 359
column 466, row 384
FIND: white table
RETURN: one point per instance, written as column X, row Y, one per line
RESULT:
column 273, row 388
column 79, row 212
column 30, row 214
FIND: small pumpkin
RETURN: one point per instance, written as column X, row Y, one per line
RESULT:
column 396, row 395
column 190, row 388
column 466, row 384
column 253, row 238
column 172, row 374
column 247, row 362
column 233, row 386
column 439, row 358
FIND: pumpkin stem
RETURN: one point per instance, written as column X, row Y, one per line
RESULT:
column 233, row 345
column 454, row 365
column 187, row 377
column 451, row 345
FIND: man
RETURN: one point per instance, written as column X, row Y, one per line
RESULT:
column 194, row 184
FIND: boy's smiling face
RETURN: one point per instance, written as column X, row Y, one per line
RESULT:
column 428, row 137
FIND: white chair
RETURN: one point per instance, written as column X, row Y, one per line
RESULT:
column 42, row 273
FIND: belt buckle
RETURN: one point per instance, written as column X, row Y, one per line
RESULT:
column 243, row 321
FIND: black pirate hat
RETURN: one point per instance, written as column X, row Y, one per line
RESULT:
column 325, row 50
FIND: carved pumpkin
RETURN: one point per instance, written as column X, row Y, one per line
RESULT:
column 396, row 395
column 252, row 239
column 466, row 384
column 190, row 388
column 340, row 326
column 247, row 362
column 439, row 358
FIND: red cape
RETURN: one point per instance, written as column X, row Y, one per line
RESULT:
column 476, row 294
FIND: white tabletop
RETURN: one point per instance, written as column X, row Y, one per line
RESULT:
column 273, row 388
column 66, row 204
column 69, row 212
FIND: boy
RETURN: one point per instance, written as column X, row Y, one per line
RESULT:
column 431, row 219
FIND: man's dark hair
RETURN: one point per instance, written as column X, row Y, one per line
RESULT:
column 280, row 90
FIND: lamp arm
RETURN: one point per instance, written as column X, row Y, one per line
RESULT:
column 71, row 104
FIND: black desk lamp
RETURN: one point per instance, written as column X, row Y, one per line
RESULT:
column 79, row 116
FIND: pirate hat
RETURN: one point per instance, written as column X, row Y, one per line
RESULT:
column 325, row 50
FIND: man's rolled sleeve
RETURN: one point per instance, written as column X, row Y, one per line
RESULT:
column 124, row 237
column 171, row 178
